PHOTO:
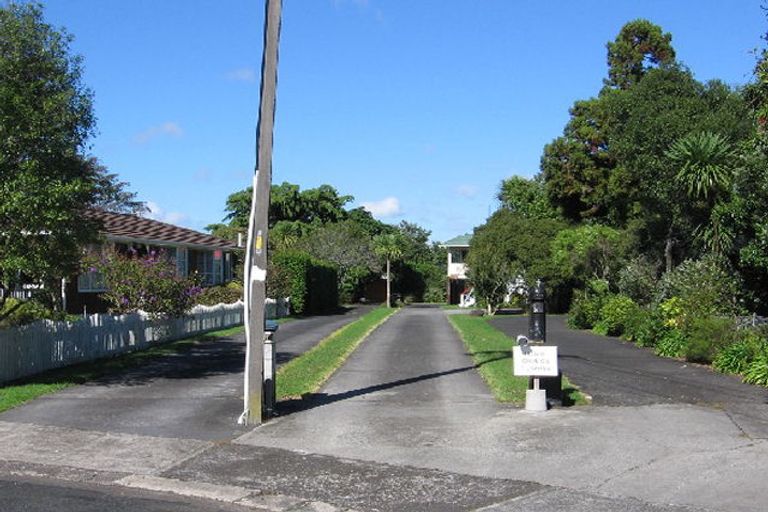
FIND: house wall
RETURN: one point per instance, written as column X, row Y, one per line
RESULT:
column 457, row 269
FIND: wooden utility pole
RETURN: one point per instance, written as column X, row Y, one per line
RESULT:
column 256, row 254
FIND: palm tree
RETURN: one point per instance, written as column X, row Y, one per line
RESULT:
column 705, row 161
column 388, row 247
column 705, row 169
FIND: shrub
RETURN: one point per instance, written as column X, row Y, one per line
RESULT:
column 310, row 283
column 650, row 328
column 584, row 312
column 615, row 314
column 672, row 344
column 147, row 283
column 706, row 337
column 222, row 294
column 638, row 280
column 736, row 357
column 17, row 312
column 757, row 371
column 704, row 288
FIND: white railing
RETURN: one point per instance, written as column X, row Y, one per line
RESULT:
column 44, row 345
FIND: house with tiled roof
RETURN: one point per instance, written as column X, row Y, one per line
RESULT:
column 458, row 248
column 209, row 257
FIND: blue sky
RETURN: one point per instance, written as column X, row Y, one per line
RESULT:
column 417, row 108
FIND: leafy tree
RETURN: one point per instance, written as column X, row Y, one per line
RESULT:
column 639, row 46
column 347, row 246
column 46, row 184
column 389, row 247
column 526, row 197
column 509, row 246
column 287, row 203
column 589, row 252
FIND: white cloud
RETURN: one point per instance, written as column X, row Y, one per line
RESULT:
column 468, row 191
column 157, row 213
column 245, row 74
column 168, row 128
column 387, row 207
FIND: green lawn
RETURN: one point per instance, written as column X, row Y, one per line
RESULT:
column 307, row 373
column 16, row 393
column 491, row 351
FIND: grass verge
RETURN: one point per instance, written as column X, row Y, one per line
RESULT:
column 306, row 373
column 16, row 393
column 491, row 351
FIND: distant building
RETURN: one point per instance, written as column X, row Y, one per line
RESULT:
column 458, row 248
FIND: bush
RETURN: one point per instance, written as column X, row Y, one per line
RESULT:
column 584, row 312
column 585, row 307
column 649, row 329
column 638, row 280
column 736, row 357
column 148, row 283
column 757, row 371
column 310, row 283
column 706, row 337
column 703, row 287
column 222, row 294
column 672, row 344
column 615, row 314
column 17, row 312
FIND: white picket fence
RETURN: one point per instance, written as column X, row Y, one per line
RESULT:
column 43, row 345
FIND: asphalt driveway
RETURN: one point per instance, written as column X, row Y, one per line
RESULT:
column 618, row 373
column 196, row 394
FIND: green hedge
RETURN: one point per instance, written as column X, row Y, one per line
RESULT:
column 310, row 283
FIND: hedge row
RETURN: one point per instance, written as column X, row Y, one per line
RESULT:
column 311, row 284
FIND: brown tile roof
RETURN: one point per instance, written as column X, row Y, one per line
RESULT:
column 122, row 225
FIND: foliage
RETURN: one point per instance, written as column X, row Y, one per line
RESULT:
column 585, row 308
column 703, row 287
column 615, row 315
column 757, row 371
column 221, row 294
column 671, row 344
column 310, row 283
column 46, row 120
column 509, row 246
column 287, row 203
column 707, row 336
column 526, row 197
column 637, row 280
column 347, row 246
column 589, row 251
column 647, row 328
column 736, row 357
column 703, row 160
column 144, row 283
column 17, row 312
column 638, row 44
column 388, row 247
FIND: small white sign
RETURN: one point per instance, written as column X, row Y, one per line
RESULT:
column 535, row 360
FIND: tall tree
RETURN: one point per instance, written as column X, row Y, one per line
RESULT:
column 639, row 46
column 46, row 184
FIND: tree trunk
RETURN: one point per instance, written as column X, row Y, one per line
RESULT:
column 389, row 300
column 668, row 252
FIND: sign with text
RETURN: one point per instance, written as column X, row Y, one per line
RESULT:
column 535, row 360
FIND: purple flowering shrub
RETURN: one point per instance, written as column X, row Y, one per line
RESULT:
column 144, row 282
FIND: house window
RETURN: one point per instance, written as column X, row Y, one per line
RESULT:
column 458, row 255
column 201, row 262
column 181, row 261
column 91, row 282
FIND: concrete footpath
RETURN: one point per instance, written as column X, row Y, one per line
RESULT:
column 408, row 425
